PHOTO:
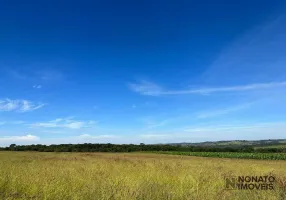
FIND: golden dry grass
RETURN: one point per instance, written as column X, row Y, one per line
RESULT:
column 84, row 176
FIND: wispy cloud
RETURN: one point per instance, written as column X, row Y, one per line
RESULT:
column 147, row 88
column 219, row 112
column 25, row 138
column 88, row 136
column 150, row 123
column 63, row 123
column 155, row 136
column 19, row 105
column 53, row 131
column 49, row 75
column 84, row 138
column 11, row 122
column 233, row 127
column 157, row 124
column 37, row 86
column 237, row 131
column 18, row 75
column 38, row 75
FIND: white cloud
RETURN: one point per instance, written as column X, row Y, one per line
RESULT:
column 274, row 130
column 49, row 75
column 87, row 136
column 90, row 122
column 37, row 86
column 233, row 127
column 215, row 113
column 53, row 131
column 158, row 124
column 17, row 75
column 17, row 122
column 19, row 105
column 74, row 125
column 11, row 122
column 25, row 138
column 147, row 88
column 251, row 131
column 37, row 75
column 63, row 123
column 155, row 136
column 150, row 122
column 84, row 136
column 256, row 131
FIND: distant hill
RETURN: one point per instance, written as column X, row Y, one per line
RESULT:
column 277, row 143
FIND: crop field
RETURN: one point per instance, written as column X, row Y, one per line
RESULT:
column 128, row 176
column 260, row 156
column 272, row 146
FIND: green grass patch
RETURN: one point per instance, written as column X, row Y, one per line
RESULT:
column 260, row 156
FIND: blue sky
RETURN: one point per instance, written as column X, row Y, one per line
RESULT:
column 142, row 71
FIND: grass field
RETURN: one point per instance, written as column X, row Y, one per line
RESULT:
column 84, row 176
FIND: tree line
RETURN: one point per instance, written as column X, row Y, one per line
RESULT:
column 89, row 147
